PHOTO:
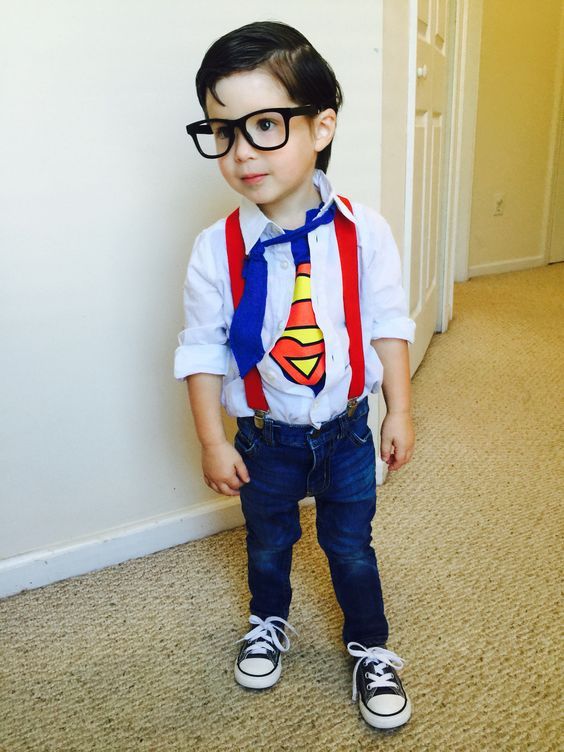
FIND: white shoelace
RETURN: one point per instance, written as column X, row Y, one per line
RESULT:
column 380, row 659
column 265, row 634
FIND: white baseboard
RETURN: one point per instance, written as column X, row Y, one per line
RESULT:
column 46, row 566
column 43, row 567
column 512, row 265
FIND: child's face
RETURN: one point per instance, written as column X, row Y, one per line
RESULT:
column 279, row 181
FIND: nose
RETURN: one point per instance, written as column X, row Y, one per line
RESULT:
column 242, row 149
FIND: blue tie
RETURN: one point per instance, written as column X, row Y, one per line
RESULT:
column 245, row 339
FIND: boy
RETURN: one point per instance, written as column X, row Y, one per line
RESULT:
column 290, row 325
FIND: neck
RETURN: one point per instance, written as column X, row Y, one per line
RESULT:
column 290, row 211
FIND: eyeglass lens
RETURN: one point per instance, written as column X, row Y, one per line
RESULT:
column 267, row 130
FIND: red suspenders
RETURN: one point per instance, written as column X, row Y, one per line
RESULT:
column 348, row 252
column 236, row 259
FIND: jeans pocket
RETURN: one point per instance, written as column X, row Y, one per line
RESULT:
column 245, row 444
column 360, row 436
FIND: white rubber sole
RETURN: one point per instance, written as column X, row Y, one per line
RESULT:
column 385, row 722
column 258, row 682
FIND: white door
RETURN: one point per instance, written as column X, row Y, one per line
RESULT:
column 431, row 97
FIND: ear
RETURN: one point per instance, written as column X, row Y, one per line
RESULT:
column 324, row 126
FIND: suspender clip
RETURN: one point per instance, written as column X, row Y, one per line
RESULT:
column 259, row 418
column 352, row 404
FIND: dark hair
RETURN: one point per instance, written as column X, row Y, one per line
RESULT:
column 286, row 54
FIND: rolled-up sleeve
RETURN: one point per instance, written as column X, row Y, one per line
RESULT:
column 390, row 315
column 203, row 344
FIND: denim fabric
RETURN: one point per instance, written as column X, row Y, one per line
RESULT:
column 336, row 465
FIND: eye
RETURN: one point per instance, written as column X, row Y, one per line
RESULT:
column 265, row 125
column 221, row 132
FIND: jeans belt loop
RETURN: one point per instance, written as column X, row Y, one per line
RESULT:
column 267, row 431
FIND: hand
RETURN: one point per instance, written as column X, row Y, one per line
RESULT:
column 397, row 440
column 224, row 470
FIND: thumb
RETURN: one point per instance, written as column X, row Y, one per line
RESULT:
column 385, row 448
column 242, row 472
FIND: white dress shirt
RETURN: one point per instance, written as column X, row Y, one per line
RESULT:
column 208, row 306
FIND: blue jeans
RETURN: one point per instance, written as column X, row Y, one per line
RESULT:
column 336, row 465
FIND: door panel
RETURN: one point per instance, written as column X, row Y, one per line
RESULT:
column 418, row 201
column 429, row 139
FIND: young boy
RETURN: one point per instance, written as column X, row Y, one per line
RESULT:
column 294, row 313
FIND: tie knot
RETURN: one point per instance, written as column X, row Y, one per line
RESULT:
column 303, row 231
column 255, row 258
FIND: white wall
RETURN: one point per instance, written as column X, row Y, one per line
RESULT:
column 518, row 100
column 102, row 195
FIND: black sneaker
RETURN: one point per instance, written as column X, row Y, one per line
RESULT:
column 383, row 701
column 259, row 662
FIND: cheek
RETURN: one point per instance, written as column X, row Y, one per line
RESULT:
column 297, row 162
column 224, row 168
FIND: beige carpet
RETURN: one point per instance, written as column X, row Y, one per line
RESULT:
column 139, row 656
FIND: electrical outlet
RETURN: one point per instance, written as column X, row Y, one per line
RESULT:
column 499, row 204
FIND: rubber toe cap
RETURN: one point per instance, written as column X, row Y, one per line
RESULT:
column 256, row 666
column 387, row 704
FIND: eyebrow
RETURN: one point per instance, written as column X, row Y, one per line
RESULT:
column 252, row 112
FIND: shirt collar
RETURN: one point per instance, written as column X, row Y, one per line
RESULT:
column 254, row 224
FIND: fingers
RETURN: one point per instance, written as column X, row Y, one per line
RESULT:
column 399, row 458
column 230, row 486
column 221, row 488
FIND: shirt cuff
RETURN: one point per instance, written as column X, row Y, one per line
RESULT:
column 397, row 328
column 189, row 359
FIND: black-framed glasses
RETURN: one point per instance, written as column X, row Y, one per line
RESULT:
column 266, row 129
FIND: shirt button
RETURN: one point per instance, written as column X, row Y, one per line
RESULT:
column 284, row 264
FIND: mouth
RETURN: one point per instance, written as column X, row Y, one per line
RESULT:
column 254, row 178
